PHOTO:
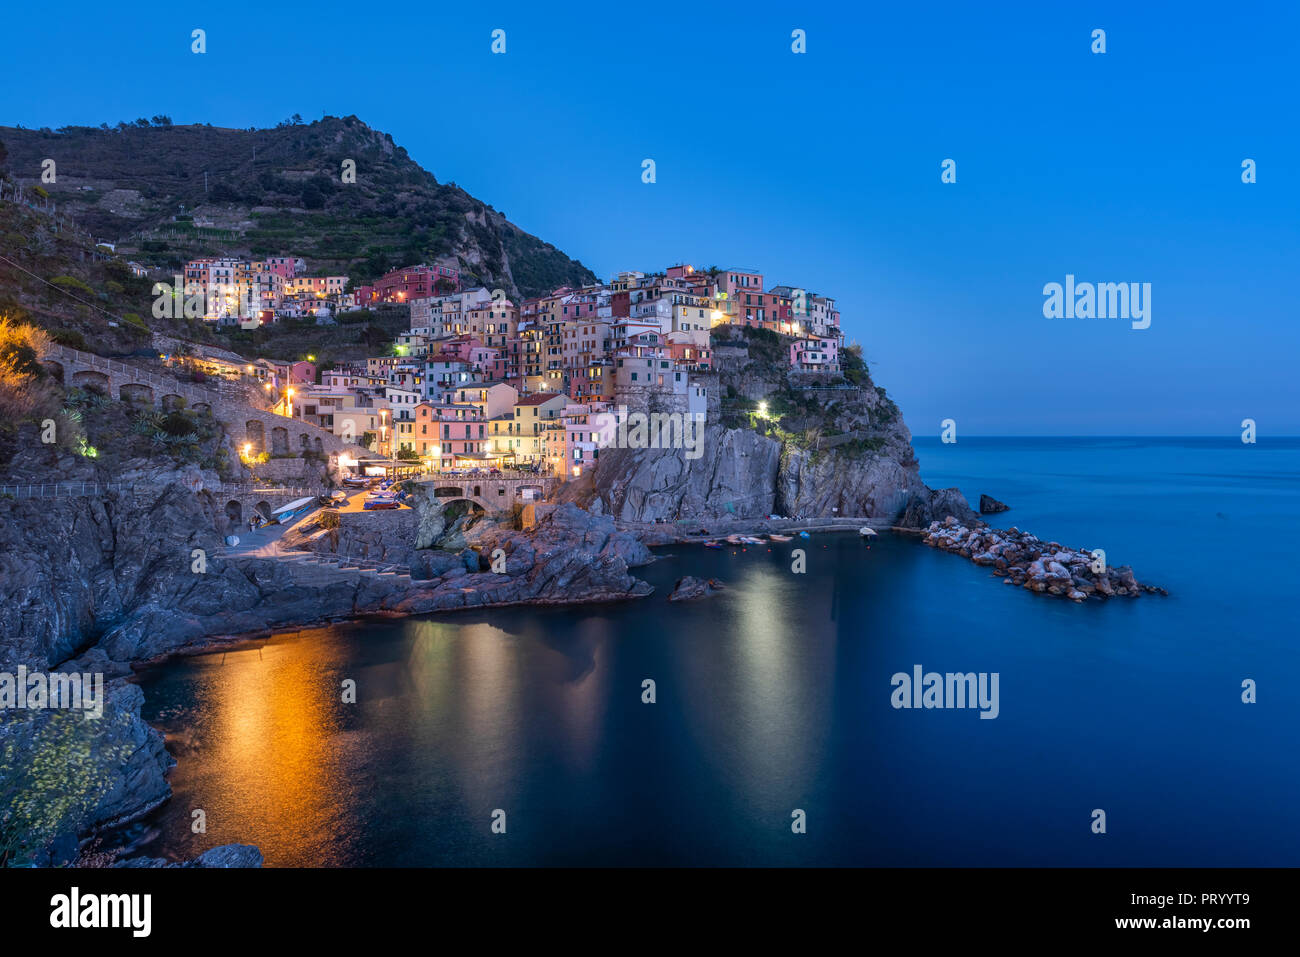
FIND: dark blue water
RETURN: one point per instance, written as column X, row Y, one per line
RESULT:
column 775, row 696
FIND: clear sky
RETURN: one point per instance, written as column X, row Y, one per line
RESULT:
column 822, row 169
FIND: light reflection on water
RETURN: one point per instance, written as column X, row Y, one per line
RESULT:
column 774, row 695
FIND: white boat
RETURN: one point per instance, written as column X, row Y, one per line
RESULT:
column 866, row 531
column 286, row 513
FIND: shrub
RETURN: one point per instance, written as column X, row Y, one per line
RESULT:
column 72, row 282
column 68, row 337
column 25, row 388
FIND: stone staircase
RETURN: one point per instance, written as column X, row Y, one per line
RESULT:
column 331, row 566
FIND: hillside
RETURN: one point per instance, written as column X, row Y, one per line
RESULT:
column 167, row 193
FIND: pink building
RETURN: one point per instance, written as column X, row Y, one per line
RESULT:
column 815, row 355
column 286, row 266
column 411, row 282
column 445, row 432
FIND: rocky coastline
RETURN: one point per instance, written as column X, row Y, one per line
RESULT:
column 1047, row 568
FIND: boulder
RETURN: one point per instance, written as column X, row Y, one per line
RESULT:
column 689, row 588
column 989, row 505
column 930, row 505
column 227, row 855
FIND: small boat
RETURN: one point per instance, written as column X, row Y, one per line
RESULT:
column 867, row 531
column 750, row 540
column 804, row 535
column 780, row 538
column 712, row 544
column 733, row 539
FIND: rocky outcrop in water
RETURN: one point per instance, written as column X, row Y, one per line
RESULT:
column 227, row 855
column 1043, row 567
column 689, row 588
column 991, row 506
column 936, row 505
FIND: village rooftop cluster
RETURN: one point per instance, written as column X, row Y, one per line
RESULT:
column 479, row 381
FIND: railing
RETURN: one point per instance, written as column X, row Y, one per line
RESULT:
column 80, row 489
column 64, row 489
column 239, row 488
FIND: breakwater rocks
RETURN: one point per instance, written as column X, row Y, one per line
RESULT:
column 1048, row 568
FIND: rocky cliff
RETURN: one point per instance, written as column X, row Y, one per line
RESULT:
column 93, row 584
column 776, row 442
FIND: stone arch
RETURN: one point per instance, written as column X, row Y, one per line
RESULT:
column 171, row 402
column 54, row 368
column 316, row 444
column 235, row 511
column 255, row 435
column 478, row 490
column 264, row 508
column 279, row 440
column 304, row 441
column 93, row 381
column 449, row 492
column 136, row 392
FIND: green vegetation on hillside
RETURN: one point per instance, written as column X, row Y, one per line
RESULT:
column 168, row 193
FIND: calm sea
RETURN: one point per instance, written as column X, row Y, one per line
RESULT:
column 774, row 697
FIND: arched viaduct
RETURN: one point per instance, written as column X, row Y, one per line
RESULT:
column 489, row 494
column 231, row 404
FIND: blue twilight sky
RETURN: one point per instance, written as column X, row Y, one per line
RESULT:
column 823, row 169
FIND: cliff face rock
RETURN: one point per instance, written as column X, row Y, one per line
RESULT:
column 776, row 442
column 736, row 475
column 873, row 485
column 70, row 569
column 743, row 474
column 122, row 755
